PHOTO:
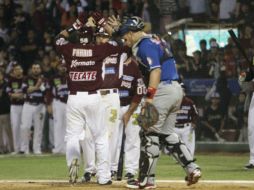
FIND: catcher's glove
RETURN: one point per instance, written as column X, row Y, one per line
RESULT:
column 148, row 116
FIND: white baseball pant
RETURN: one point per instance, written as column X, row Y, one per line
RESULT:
column 251, row 130
column 59, row 113
column 16, row 113
column 187, row 135
column 132, row 141
column 112, row 103
column 87, row 110
column 32, row 114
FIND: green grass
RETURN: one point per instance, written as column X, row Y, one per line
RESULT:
column 214, row 167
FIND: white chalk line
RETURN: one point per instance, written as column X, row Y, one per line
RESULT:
column 120, row 182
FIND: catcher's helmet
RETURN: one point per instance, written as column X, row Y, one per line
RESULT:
column 133, row 23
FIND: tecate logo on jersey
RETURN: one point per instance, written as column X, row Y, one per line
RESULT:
column 76, row 63
column 83, row 76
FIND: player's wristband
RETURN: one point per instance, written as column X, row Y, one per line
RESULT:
column 150, row 92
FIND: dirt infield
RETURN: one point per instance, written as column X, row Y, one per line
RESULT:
column 121, row 186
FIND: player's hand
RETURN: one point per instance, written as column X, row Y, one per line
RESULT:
column 242, row 76
column 126, row 118
column 39, row 82
column 50, row 109
column 149, row 100
column 114, row 22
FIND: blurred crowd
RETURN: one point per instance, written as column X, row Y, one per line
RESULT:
column 28, row 28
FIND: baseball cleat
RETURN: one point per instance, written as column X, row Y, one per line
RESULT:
column 109, row 182
column 132, row 184
column 148, row 186
column 73, row 171
column 249, row 167
column 193, row 177
column 86, row 177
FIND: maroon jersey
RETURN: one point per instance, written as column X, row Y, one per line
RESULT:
column 131, row 85
column 14, row 85
column 35, row 97
column 113, row 69
column 187, row 113
column 84, row 63
column 57, row 87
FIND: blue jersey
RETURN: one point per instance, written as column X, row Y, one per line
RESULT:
column 150, row 53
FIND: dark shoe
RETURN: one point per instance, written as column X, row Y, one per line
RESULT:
column 109, row 182
column 249, row 166
column 132, row 184
column 129, row 176
column 114, row 175
column 193, row 177
column 86, row 177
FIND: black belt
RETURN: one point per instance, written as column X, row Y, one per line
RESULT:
column 108, row 91
column 34, row 103
column 183, row 125
column 179, row 126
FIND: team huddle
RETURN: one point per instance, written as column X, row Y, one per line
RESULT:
column 108, row 81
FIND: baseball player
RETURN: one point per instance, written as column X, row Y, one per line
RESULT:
column 185, row 122
column 33, row 111
column 248, row 77
column 6, row 142
column 85, row 108
column 159, row 70
column 57, row 88
column 14, row 90
column 113, row 66
column 131, row 90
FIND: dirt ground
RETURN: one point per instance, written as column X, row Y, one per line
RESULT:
column 117, row 186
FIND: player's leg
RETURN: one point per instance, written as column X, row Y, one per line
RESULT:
column 39, row 116
column 187, row 135
column 112, row 121
column 150, row 152
column 59, row 112
column 251, row 134
column 15, row 114
column 75, row 132
column 88, row 147
column 26, row 123
column 95, row 120
column 132, row 145
column 181, row 153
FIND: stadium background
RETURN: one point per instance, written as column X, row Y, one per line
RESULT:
column 28, row 28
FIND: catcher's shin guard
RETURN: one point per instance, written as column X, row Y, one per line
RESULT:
column 178, row 149
column 149, row 155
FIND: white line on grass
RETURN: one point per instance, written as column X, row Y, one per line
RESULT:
column 116, row 182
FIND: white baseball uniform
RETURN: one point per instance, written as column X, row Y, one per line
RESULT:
column 184, row 119
column 251, row 130
column 58, row 88
column 85, row 107
column 14, row 86
column 33, row 113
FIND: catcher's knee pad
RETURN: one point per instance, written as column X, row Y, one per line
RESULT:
column 178, row 149
column 150, row 151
